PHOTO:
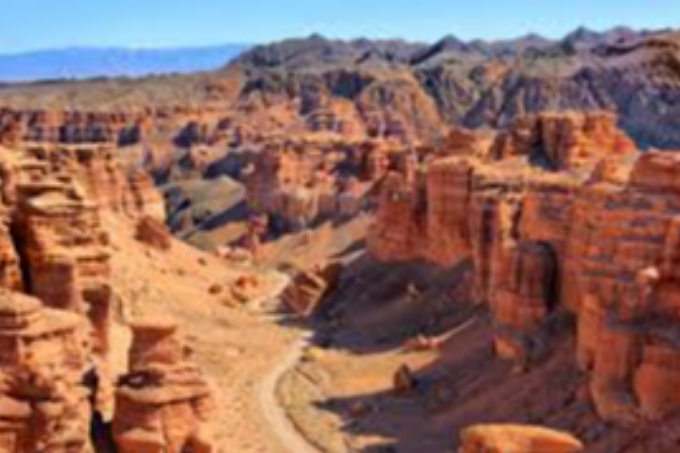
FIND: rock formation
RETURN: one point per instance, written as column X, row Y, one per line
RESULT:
column 154, row 233
column 44, row 406
column 560, row 218
column 563, row 142
column 300, row 183
column 63, row 246
column 525, row 293
column 164, row 404
column 104, row 178
column 362, row 89
column 54, row 246
column 74, row 127
column 308, row 288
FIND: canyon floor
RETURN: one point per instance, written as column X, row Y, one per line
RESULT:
column 237, row 345
column 281, row 385
column 326, row 385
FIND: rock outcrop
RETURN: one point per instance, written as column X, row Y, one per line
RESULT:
column 154, row 233
column 73, row 127
column 517, row 439
column 300, row 183
column 104, row 178
column 588, row 230
column 563, row 142
column 54, row 246
column 363, row 89
column 164, row 404
column 44, row 359
column 63, row 246
column 308, row 288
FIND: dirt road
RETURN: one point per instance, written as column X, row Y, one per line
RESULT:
column 275, row 415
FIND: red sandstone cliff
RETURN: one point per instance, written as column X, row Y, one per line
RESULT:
column 560, row 216
column 59, row 354
column 300, row 182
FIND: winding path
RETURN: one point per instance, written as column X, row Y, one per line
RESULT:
column 266, row 391
column 275, row 415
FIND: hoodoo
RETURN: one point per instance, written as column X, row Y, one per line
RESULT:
column 44, row 357
column 164, row 404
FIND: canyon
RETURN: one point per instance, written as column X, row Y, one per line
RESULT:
column 348, row 246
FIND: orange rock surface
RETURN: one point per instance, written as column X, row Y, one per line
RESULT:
column 560, row 218
column 154, row 233
column 308, row 288
column 301, row 182
column 55, row 247
column 44, row 359
column 164, row 404
column 517, row 439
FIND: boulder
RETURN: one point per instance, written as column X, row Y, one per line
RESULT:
column 517, row 439
column 308, row 288
column 154, row 233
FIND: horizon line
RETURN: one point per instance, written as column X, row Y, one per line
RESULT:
column 252, row 44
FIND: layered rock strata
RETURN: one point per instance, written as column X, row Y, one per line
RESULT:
column 54, row 245
column 560, row 218
column 298, row 183
column 111, row 186
column 44, row 359
column 164, row 404
column 308, row 288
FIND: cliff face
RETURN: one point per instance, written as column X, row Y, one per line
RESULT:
column 560, row 218
column 59, row 356
column 73, row 127
column 55, row 250
column 298, row 183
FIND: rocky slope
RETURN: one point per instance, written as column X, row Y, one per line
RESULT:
column 551, row 223
column 480, row 84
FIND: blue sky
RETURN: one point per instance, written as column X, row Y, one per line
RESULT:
column 34, row 24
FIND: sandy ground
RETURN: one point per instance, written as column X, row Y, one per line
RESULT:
column 241, row 349
column 277, row 416
column 343, row 401
column 280, row 392
column 341, row 394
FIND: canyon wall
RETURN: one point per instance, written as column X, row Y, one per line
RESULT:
column 560, row 217
column 57, row 301
column 300, row 182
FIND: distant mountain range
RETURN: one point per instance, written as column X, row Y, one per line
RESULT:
column 415, row 91
column 316, row 51
column 89, row 62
